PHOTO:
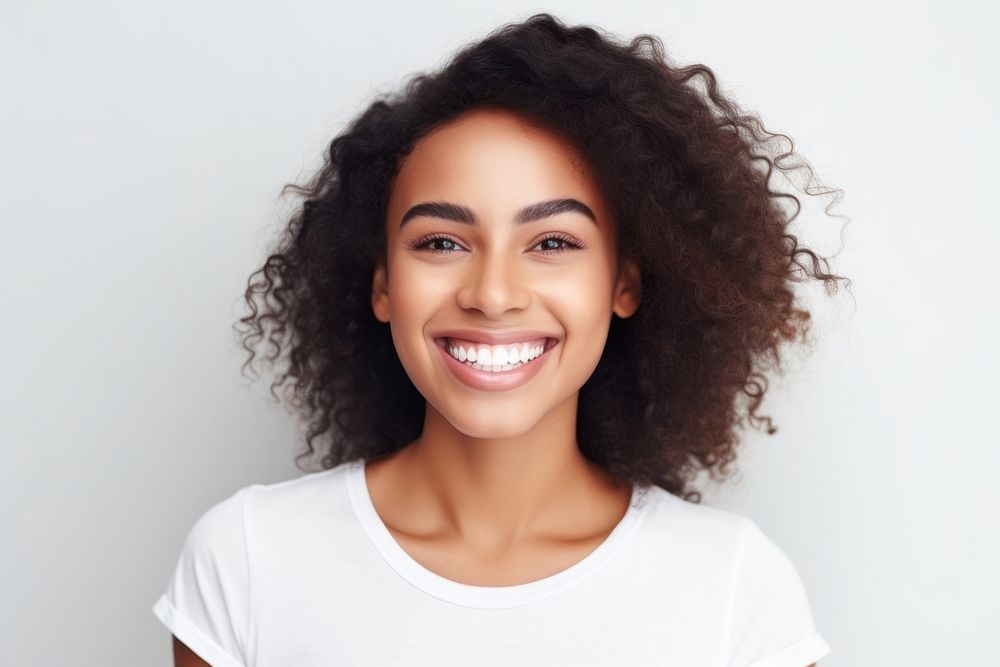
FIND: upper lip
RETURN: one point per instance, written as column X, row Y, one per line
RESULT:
column 494, row 337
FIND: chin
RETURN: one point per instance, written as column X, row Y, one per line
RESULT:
column 496, row 428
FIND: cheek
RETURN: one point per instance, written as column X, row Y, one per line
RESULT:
column 414, row 286
column 581, row 300
column 584, row 286
column 578, row 309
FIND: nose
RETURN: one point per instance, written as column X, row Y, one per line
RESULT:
column 494, row 285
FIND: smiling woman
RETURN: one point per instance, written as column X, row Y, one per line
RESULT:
column 466, row 183
column 522, row 303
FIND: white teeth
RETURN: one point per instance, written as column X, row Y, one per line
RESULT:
column 496, row 358
column 500, row 356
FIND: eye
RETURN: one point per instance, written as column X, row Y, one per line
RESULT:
column 426, row 241
column 570, row 243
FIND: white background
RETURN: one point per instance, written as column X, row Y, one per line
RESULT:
column 142, row 147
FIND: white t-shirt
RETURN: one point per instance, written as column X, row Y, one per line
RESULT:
column 304, row 573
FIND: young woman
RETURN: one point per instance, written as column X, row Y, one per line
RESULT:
column 522, row 303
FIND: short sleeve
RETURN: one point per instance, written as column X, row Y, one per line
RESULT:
column 206, row 604
column 771, row 624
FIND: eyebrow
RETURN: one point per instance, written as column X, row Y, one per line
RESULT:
column 466, row 216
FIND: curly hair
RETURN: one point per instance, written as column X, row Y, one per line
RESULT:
column 687, row 174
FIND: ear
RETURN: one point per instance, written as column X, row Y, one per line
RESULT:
column 628, row 290
column 380, row 292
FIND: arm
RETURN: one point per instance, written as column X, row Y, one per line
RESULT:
column 185, row 657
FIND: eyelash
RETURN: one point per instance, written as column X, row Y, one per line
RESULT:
column 425, row 241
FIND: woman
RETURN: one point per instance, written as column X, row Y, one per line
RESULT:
column 525, row 298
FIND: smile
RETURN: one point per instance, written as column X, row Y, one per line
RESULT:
column 480, row 368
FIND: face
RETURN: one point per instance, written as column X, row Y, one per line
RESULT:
column 487, row 258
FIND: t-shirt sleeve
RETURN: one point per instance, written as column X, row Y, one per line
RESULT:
column 206, row 604
column 771, row 622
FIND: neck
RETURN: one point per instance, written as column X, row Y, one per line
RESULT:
column 497, row 494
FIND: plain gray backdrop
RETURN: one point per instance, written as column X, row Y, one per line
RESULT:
column 142, row 148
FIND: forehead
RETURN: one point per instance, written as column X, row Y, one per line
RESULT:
column 495, row 160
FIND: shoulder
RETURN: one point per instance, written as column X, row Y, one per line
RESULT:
column 223, row 515
column 754, row 557
column 219, row 531
column 723, row 546
column 307, row 494
column 304, row 515
column 224, row 532
column 709, row 524
column 698, row 528
column 207, row 603
column 768, row 619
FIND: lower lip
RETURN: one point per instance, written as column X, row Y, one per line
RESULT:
column 488, row 380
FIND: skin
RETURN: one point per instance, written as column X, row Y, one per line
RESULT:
column 185, row 657
column 495, row 491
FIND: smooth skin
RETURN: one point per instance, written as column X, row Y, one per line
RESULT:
column 185, row 657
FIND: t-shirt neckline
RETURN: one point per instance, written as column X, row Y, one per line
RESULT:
column 485, row 597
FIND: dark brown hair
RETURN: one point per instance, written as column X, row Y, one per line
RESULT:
column 687, row 175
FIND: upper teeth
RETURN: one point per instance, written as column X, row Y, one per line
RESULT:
column 495, row 355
